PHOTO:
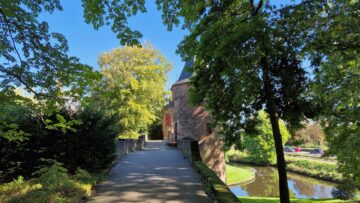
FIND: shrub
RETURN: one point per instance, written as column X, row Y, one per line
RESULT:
column 155, row 131
column 90, row 146
column 52, row 177
column 344, row 191
column 261, row 146
column 52, row 185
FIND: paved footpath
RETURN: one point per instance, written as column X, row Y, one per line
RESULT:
column 156, row 174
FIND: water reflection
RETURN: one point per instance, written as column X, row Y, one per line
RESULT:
column 266, row 184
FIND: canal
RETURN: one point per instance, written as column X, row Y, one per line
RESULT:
column 266, row 182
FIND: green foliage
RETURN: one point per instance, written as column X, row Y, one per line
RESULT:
column 100, row 13
column 61, row 124
column 261, row 145
column 10, row 192
column 11, row 132
column 133, row 87
column 35, row 60
column 90, row 147
column 155, row 130
column 52, row 185
column 334, row 52
column 239, row 156
column 52, row 177
column 84, row 177
column 247, row 59
column 344, row 191
column 13, row 110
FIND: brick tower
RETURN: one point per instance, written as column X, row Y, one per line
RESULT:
column 194, row 122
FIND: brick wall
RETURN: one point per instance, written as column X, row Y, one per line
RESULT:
column 194, row 122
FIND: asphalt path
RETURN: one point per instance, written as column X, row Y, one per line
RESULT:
column 156, row 174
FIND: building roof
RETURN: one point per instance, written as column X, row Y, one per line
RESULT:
column 186, row 74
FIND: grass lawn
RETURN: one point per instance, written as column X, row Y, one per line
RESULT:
column 236, row 175
column 276, row 200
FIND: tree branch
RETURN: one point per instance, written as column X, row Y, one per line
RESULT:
column 10, row 34
column 22, row 81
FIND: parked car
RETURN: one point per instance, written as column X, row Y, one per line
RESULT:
column 297, row 149
column 316, row 151
column 289, row 149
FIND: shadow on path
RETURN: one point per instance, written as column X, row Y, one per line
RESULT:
column 155, row 174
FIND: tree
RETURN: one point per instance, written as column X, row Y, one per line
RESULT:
column 331, row 31
column 134, row 79
column 36, row 61
column 311, row 134
column 261, row 145
column 247, row 58
column 115, row 13
column 334, row 50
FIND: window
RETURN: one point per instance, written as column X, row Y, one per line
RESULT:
column 208, row 128
column 175, row 128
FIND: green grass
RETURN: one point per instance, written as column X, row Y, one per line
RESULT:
column 276, row 200
column 315, row 168
column 236, row 175
column 214, row 184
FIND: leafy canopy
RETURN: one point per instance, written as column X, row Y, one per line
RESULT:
column 134, row 80
column 261, row 146
column 336, row 56
column 247, row 59
column 36, row 61
column 115, row 13
column 233, row 42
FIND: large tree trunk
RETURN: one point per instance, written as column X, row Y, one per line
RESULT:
column 271, row 109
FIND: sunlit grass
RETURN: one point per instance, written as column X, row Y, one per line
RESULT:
column 236, row 175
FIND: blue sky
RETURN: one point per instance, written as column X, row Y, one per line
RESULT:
column 87, row 43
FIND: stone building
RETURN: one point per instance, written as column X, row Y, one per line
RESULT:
column 193, row 122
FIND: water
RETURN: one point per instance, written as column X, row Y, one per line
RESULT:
column 266, row 184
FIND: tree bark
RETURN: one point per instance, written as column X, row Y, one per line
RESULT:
column 271, row 109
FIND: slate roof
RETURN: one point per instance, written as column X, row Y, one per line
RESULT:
column 185, row 74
